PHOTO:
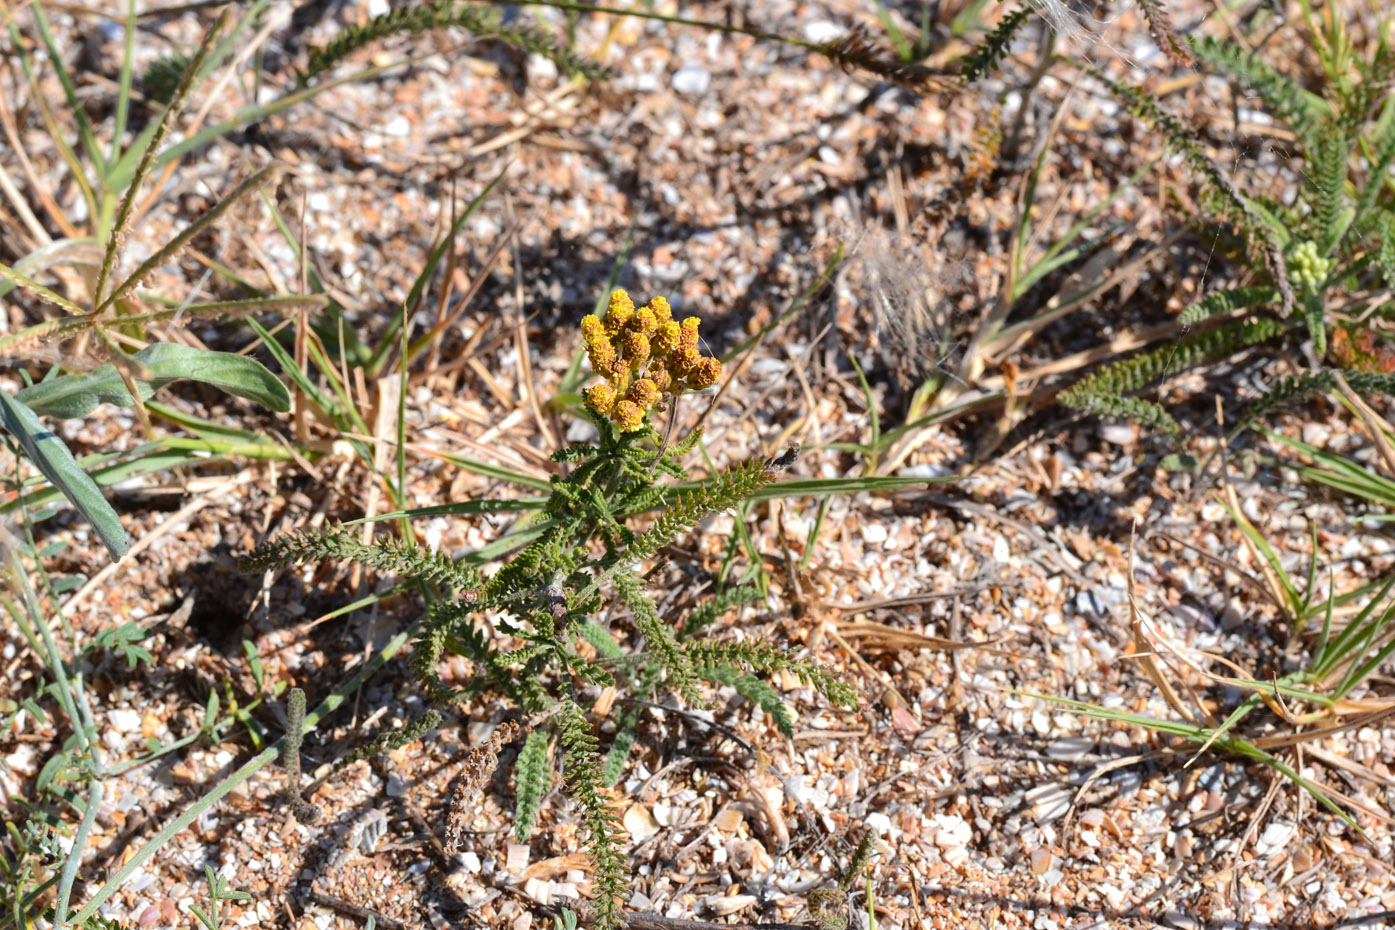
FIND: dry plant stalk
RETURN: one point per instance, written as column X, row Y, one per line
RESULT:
column 480, row 763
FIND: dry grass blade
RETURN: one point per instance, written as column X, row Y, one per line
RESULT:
column 63, row 328
column 881, row 636
column 1145, row 654
column 1125, row 342
column 1277, row 592
column 1100, row 274
column 40, row 190
column 1227, row 564
column 1376, row 425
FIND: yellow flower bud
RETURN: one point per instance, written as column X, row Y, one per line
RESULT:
column 592, row 329
column 602, row 356
column 666, row 338
column 600, row 397
column 620, row 311
column 662, row 311
column 683, row 360
column 705, row 373
column 627, row 416
column 620, row 300
column 661, row 378
column 688, row 338
column 643, row 393
column 643, row 321
column 636, row 349
column 620, row 377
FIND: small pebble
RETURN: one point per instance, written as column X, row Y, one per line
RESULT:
column 124, row 720
column 691, row 79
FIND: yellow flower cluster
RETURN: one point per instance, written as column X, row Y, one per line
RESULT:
column 643, row 353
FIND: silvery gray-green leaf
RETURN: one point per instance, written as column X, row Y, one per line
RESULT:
column 52, row 458
column 78, row 395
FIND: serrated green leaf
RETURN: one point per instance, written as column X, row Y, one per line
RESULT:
column 78, row 395
column 1223, row 302
column 52, row 458
column 534, row 780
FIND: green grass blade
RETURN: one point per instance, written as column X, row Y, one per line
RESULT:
column 873, row 418
column 1338, row 472
column 1295, row 601
column 53, row 297
column 123, row 86
column 395, row 324
column 1325, row 638
column 812, row 539
column 476, row 506
column 497, row 471
column 207, row 428
column 86, row 135
column 82, row 250
column 121, row 173
column 794, row 307
column 147, row 159
column 1199, row 734
column 825, row 487
column 894, row 33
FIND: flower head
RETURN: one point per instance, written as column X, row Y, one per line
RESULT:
column 642, row 353
column 707, row 372
column 627, row 415
column 643, row 392
column 601, row 397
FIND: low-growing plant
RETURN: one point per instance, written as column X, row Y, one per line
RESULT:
column 537, row 632
column 1355, row 637
column 217, row 891
column 107, row 320
column 1315, row 268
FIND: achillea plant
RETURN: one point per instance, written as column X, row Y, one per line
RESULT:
column 1309, row 265
column 548, row 652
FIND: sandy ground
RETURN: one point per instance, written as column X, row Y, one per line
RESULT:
column 724, row 173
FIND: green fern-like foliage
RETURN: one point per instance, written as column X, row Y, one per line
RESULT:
column 1218, row 194
column 1386, row 252
column 424, row 17
column 1166, row 37
column 1103, row 391
column 533, row 779
column 1145, row 413
column 162, row 76
column 586, row 781
column 1338, row 234
column 1289, row 391
column 1226, row 302
column 1282, row 96
column 1135, row 373
column 342, row 544
column 714, row 607
column 1327, row 184
column 389, row 740
column 572, row 613
column 756, row 690
column 994, row 47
